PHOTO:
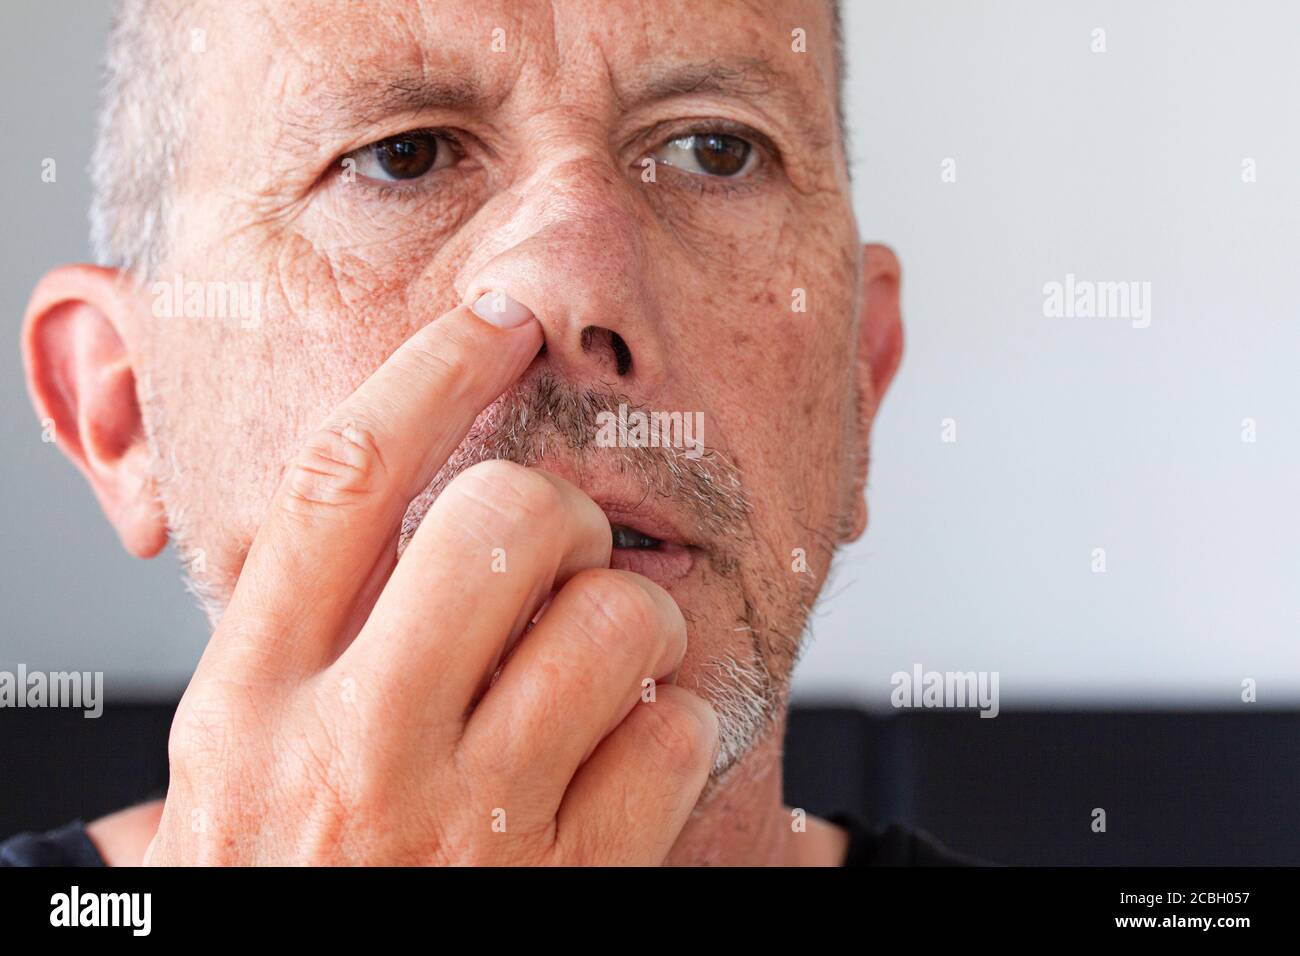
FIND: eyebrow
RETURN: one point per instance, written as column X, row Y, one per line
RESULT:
column 746, row 78
column 377, row 97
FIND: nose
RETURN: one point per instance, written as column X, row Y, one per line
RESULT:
column 570, row 244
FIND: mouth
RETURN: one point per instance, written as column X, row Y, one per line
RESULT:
column 650, row 533
column 636, row 547
column 625, row 537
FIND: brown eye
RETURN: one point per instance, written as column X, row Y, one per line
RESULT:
column 408, row 156
column 721, row 155
column 712, row 154
column 405, row 156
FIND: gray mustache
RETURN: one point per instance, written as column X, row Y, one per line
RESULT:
column 544, row 416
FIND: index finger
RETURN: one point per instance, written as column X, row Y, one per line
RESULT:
column 332, row 527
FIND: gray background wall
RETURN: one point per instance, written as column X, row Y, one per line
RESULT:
column 1072, row 434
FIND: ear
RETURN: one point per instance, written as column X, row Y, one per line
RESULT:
column 880, row 349
column 81, row 380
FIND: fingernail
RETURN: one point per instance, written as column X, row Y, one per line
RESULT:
column 500, row 310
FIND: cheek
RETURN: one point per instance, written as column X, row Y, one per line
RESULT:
column 331, row 319
column 776, row 338
column 327, row 322
column 387, row 241
column 339, row 309
column 776, row 356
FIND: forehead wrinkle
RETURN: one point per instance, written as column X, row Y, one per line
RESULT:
column 402, row 61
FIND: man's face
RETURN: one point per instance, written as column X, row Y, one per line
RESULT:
column 719, row 279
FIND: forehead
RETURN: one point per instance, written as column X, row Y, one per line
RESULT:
column 587, row 51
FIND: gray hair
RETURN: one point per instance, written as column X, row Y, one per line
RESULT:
column 141, row 126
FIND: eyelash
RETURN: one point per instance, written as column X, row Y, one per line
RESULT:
column 698, row 184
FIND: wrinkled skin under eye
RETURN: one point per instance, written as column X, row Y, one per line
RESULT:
column 709, row 154
column 404, row 157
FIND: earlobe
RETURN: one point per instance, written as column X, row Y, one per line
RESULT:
column 83, row 386
column 880, row 350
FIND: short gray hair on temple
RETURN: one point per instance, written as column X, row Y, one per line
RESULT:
column 140, row 130
column 837, row 38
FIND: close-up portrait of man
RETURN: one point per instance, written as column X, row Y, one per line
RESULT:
column 506, row 379
column 466, row 250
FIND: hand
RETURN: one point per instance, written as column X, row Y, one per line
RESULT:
column 344, row 710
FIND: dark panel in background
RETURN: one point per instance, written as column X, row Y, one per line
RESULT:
column 56, row 765
column 1178, row 787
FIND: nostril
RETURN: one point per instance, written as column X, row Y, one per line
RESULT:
column 622, row 354
column 594, row 338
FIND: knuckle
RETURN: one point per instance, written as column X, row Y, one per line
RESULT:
column 686, row 734
column 615, row 603
column 201, row 734
column 337, row 465
column 509, row 491
column 495, row 473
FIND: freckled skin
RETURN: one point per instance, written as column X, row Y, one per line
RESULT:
column 550, row 204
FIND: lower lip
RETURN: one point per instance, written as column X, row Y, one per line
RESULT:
column 663, row 565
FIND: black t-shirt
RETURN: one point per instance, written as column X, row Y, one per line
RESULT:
column 66, row 846
column 894, row 845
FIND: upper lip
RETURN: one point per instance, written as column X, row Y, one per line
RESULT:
column 628, row 503
column 647, row 516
